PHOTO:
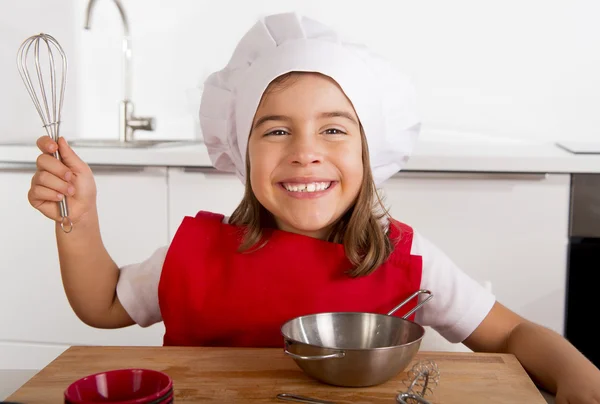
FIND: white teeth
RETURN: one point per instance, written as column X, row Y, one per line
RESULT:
column 310, row 187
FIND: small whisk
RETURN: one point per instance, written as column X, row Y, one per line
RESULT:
column 48, row 100
column 423, row 376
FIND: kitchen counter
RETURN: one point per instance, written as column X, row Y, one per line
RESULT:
column 13, row 380
column 435, row 151
column 257, row 375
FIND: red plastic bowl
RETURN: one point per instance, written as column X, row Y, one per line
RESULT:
column 121, row 386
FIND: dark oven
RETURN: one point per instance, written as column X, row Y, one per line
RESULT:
column 583, row 272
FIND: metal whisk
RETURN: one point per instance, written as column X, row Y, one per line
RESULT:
column 48, row 99
column 423, row 376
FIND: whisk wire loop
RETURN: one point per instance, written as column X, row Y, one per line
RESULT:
column 49, row 106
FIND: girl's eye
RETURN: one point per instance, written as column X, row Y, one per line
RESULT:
column 277, row 132
column 334, row 131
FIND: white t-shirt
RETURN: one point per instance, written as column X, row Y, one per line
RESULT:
column 458, row 306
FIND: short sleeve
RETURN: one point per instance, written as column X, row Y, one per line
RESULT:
column 460, row 303
column 137, row 288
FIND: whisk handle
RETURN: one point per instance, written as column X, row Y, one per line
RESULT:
column 65, row 224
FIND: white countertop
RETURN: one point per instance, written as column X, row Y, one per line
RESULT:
column 440, row 151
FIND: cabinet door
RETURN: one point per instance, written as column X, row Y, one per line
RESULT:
column 132, row 206
column 508, row 229
column 195, row 189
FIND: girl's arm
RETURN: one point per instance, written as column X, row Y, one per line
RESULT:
column 553, row 363
column 90, row 275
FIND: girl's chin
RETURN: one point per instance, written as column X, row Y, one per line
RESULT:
column 317, row 228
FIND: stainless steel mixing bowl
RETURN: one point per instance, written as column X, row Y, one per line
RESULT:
column 353, row 349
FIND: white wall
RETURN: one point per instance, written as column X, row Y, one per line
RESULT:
column 19, row 20
column 512, row 68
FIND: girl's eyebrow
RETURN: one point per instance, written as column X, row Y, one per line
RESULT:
column 266, row 118
column 336, row 114
column 332, row 114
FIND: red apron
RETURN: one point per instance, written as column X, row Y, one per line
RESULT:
column 212, row 295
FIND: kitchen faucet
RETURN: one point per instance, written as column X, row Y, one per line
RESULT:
column 128, row 123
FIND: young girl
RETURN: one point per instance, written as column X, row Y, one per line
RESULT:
column 312, row 125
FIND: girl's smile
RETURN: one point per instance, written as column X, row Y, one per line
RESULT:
column 305, row 188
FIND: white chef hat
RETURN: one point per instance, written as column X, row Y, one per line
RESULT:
column 383, row 98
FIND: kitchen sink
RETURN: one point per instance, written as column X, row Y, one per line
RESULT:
column 112, row 143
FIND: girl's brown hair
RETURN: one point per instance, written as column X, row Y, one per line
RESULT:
column 360, row 229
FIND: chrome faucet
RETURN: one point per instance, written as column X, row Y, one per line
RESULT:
column 128, row 123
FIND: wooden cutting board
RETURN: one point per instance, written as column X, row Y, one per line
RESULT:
column 238, row 375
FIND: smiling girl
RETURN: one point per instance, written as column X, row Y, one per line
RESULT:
column 312, row 126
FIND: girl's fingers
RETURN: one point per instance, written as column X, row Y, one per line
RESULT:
column 50, row 164
column 40, row 194
column 47, row 180
column 70, row 158
column 46, row 144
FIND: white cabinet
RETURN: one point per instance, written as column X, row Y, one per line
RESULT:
column 195, row 189
column 509, row 229
column 35, row 315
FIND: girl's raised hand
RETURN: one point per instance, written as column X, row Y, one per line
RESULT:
column 53, row 179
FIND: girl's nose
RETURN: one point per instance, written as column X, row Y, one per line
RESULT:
column 305, row 150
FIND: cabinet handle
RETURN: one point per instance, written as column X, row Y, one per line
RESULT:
column 96, row 168
column 106, row 168
column 450, row 175
column 206, row 170
column 421, row 174
column 17, row 167
column 191, row 169
column 432, row 175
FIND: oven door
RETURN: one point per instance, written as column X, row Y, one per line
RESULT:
column 583, row 272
